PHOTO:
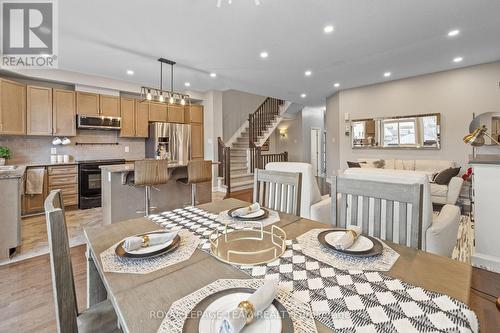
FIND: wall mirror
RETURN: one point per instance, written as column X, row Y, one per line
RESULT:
column 407, row 132
column 492, row 122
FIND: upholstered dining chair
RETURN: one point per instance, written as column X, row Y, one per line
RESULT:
column 147, row 173
column 391, row 211
column 278, row 190
column 98, row 318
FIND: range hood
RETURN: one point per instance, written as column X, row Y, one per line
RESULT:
column 98, row 122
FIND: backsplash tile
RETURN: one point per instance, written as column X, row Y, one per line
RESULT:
column 26, row 149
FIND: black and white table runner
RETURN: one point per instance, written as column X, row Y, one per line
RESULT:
column 345, row 301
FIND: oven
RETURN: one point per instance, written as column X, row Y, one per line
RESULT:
column 89, row 182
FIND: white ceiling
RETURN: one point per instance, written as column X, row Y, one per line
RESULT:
column 406, row 37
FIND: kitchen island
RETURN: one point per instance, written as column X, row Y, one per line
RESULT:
column 121, row 201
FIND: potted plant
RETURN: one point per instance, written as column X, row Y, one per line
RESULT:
column 5, row 154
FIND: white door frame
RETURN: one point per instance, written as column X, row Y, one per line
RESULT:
column 315, row 148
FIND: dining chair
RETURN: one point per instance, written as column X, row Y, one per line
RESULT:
column 98, row 318
column 199, row 171
column 382, row 209
column 147, row 173
column 278, row 190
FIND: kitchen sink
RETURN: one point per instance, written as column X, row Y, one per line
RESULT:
column 5, row 168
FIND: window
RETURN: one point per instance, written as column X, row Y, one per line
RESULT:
column 400, row 132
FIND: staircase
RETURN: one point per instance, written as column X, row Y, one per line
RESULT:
column 242, row 153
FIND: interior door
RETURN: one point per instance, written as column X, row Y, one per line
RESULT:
column 315, row 150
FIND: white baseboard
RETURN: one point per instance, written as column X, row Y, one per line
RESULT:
column 487, row 262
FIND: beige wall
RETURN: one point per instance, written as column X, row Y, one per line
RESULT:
column 456, row 94
column 236, row 105
column 293, row 142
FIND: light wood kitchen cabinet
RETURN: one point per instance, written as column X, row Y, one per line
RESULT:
column 12, row 108
column 197, row 151
column 141, row 119
column 87, row 103
column 64, row 112
column 64, row 178
column 127, row 107
column 39, row 111
column 33, row 203
column 175, row 114
column 109, row 106
column 158, row 112
column 194, row 114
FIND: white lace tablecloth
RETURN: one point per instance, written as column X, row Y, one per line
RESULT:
column 311, row 246
column 116, row 264
column 300, row 312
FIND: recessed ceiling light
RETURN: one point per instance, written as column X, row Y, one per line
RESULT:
column 328, row 29
column 387, row 74
column 458, row 59
column 264, row 54
column 308, row 73
column 303, row 95
column 130, row 72
column 336, row 85
column 453, row 33
column 187, row 84
column 213, row 75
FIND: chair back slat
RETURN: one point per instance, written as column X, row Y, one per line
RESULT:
column 150, row 172
column 379, row 202
column 199, row 171
column 278, row 190
column 63, row 283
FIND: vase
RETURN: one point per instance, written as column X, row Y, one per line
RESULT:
column 2, row 161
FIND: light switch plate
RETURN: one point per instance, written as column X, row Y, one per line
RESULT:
column 127, row 149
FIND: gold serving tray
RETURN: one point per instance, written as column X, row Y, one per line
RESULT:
column 248, row 246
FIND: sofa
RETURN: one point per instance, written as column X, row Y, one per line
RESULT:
column 312, row 205
column 441, row 194
column 439, row 231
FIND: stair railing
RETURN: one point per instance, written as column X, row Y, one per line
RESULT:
column 262, row 118
column 224, row 168
column 268, row 158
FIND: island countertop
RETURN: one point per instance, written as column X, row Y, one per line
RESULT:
column 130, row 167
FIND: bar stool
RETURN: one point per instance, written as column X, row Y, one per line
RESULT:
column 199, row 171
column 148, row 173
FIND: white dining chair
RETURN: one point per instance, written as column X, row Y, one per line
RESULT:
column 278, row 190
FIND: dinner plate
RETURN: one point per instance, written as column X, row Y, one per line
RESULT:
column 361, row 243
column 213, row 307
column 375, row 250
column 149, row 251
column 255, row 216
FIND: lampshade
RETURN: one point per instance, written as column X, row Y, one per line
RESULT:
column 476, row 138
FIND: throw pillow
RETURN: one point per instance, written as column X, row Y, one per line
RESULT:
column 444, row 177
column 379, row 164
column 354, row 164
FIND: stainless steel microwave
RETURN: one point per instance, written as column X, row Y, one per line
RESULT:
column 99, row 122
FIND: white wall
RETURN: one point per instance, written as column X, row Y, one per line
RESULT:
column 312, row 118
column 456, row 94
column 293, row 142
column 212, row 118
column 236, row 106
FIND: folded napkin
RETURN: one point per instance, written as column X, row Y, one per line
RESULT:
column 347, row 239
column 136, row 242
column 235, row 320
column 246, row 210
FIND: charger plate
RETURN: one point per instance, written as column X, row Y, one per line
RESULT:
column 376, row 250
column 261, row 214
column 156, row 250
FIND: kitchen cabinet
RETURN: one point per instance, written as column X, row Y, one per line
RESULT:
column 197, row 151
column 175, row 114
column 33, row 203
column 87, row 104
column 64, row 178
column 109, row 106
column 141, row 119
column 127, row 107
column 194, row 114
column 158, row 112
column 39, row 111
column 64, row 112
column 12, row 108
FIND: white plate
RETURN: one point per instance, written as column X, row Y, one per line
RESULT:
column 258, row 213
column 212, row 317
column 361, row 243
column 152, row 248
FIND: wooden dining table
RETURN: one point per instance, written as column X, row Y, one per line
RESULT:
column 141, row 301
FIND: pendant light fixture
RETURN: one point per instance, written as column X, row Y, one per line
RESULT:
column 162, row 96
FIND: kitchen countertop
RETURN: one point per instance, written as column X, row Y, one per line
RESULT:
column 130, row 167
column 16, row 173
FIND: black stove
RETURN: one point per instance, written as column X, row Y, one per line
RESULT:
column 89, row 181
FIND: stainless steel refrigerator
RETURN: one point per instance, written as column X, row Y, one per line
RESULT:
column 169, row 141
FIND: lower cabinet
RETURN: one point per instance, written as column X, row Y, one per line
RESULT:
column 33, row 203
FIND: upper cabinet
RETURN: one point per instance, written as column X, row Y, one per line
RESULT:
column 64, row 112
column 158, row 112
column 194, row 114
column 109, row 106
column 12, row 108
column 87, row 104
column 175, row 114
column 39, row 111
column 141, row 119
column 135, row 115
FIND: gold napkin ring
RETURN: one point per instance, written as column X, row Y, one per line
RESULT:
column 145, row 241
column 248, row 309
column 354, row 234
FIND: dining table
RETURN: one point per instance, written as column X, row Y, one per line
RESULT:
column 141, row 301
